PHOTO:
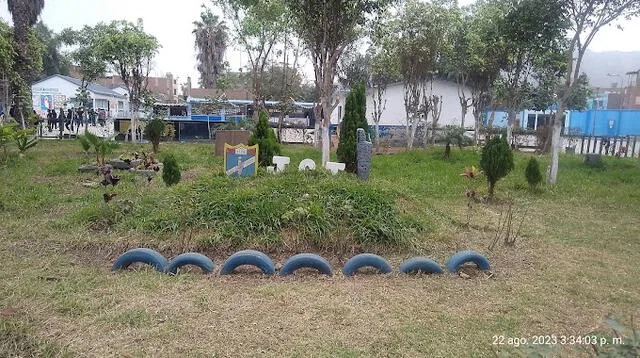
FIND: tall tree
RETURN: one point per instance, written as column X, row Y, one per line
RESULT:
column 129, row 51
column 327, row 27
column 486, row 55
column 533, row 29
column 53, row 61
column 211, row 44
column 586, row 18
column 423, row 29
column 87, row 55
column 257, row 29
column 355, row 111
column 384, row 68
column 25, row 14
column 354, row 68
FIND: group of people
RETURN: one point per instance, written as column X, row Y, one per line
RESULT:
column 75, row 117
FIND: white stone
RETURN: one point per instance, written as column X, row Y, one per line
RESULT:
column 307, row 164
column 334, row 167
column 281, row 162
column 270, row 169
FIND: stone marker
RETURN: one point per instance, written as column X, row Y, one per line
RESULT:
column 592, row 160
column 363, row 156
column 307, row 164
column 334, row 167
column 281, row 162
column 271, row 169
column 240, row 160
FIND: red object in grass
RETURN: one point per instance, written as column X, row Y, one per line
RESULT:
column 108, row 197
column 470, row 172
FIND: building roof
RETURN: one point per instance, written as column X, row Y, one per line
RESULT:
column 92, row 87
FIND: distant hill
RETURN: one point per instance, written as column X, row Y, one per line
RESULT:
column 598, row 64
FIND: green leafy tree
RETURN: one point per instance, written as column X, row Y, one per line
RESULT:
column 129, row 50
column 423, row 29
column 265, row 138
column 354, row 67
column 533, row 174
column 170, row 170
column 384, row 67
column 533, row 33
column 27, row 63
column 211, row 43
column 53, row 60
column 585, row 18
column 258, row 27
column 354, row 117
column 327, row 27
column 496, row 161
column 154, row 130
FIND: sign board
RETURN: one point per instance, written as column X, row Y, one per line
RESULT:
column 240, row 160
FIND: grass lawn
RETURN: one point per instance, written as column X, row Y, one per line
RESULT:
column 575, row 262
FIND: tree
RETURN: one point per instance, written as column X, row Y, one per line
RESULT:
column 485, row 56
column 25, row 14
column 88, row 56
column 154, row 131
column 170, row 170
column 496, row 161
column 327, row 27
column 129, row 50
column 423, row 29
column 211, row 44
column 257, row 29
column 532, row 30
column 353, row 69
column 355, row 110
column 264, row 137
column 585, row 18
column 53, row 61
column 532, row 173
column 452, row 134
column 384, row 67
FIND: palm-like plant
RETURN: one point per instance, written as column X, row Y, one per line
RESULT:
column 24, row 14
column 24, row 140
column 211, row 43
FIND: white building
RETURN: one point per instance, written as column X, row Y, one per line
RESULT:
column 58, row 91
column 395, row 115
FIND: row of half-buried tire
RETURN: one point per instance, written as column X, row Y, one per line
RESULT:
column 266, row 265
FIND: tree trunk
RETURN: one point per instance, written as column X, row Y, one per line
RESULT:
column 491, row 186
column 377, row 137
column 511, row 120
column 555, row 143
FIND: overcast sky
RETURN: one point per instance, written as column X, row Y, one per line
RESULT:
column 172, row 23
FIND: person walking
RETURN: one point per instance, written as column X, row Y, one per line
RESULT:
column 61, row 121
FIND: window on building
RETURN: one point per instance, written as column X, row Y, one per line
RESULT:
column 175, row 92
column 531, row 121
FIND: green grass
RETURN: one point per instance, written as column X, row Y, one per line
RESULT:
column 575, row 263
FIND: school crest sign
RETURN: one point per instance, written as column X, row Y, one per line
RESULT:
column 240, row 160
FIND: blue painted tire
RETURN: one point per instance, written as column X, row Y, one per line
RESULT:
column 147, row 256
column 306, row 260
column 190, row 258
column 365, row 260
column 248, row 257
column 462, row 257
column 422, row 264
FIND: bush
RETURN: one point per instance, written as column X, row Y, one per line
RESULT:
column 154, row 130
column 354, row 118
column 170, row 171
column 532, row 173
column 265, row 138
column 496, row 161
column 452, row 134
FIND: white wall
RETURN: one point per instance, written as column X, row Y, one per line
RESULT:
column 58, row 92
column 394, row 113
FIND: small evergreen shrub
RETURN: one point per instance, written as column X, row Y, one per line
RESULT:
column 265, row 138
column 496, row 161
column 154, row 130
column 170, row 171
column 533, row 174
column 354, row 117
